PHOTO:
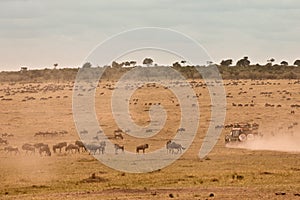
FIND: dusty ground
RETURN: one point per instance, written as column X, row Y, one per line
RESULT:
column 269, row 168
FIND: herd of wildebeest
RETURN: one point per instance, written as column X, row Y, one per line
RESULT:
column 42, row 148
column 78, row 146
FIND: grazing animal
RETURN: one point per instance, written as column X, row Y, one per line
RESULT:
column 80, row 145
column 39, row 145
column 11, row 149
column 59, row 146
column 102, row 147
column 4, row 134
column 118, row 134
column 38, row 134
column 84, row 132
column 171, row 146
column 28, row 147
column 45, row 150
column 3, row 141
column 94, row 148
column 142, row 147
column 72, row 147
column 180, row 129
column 118, row 147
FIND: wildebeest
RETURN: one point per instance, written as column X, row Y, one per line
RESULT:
column 84, row 132
column 46, row 133
column 28, row 147
column 39, row 145
column 59, row 146
column 72, row 147
column 142, row 147
column 118, row 134
column 80, row 145
column 2, row 141
column 171, row 146
column 181, row 129
column 45, row 149
column 4, row 134
column 11, row 149
column 118, row 147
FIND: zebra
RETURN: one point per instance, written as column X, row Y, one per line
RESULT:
column 28, row 147
column 172, row 145
column 142, row 147
column 94, row 148
column 59, row 146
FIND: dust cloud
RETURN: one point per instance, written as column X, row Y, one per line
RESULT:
column 272, row 142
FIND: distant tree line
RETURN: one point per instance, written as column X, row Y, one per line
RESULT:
column 243, row 69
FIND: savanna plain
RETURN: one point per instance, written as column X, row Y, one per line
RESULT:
column 266, row 168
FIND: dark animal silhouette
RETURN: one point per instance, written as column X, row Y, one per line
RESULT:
column 2, row 141
column 72, row 147
column 28, row 147
column 142, row 147
column 118, row 147
column 80, row 145
column 11, row 149
column 45, row 150
column 59, row 146
column 39, row 145
column 171, row 146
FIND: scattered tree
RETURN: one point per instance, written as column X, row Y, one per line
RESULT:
column 227, row 62
column 87, row 65
column 244, row 62
column 133, row 63
column 55, row 65
column 114, row 64
column 148, row 61
column 270, row 62
column 127, row 63
column 284, row 63
column 297, row 63
column 209, row 62
column 176, row 65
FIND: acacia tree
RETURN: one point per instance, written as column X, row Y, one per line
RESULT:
column 127, row 63
column 114, row 64
column 284, row 63
column 148, row 61
column 244, row 62
column 176, row 65
column 133, row 63
column 87, row 65
column 270, row 61
column 297, row 63
column 227, row 62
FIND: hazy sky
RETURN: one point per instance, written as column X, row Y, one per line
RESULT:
column 39, row 33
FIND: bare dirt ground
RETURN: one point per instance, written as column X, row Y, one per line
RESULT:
column 267, row 168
